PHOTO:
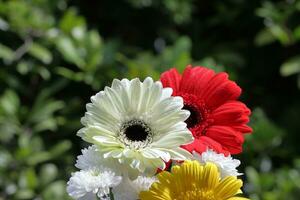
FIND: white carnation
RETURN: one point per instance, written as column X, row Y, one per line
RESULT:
column 88, row 184
column 129, row 190
column 226, row 164
column 90, row 158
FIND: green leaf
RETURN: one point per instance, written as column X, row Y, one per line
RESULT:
column 32, row 179
column 56, row 190
column 5, row 158
column 297, row 33
column 267, row 134
column 48, row 124
column 9, row 102
column 44, row 72
column 24, row 194
column 53, row 153
column 94, row 46
column 39, row 52
column 281, row 34
column 70, row 20
column 28, row 179
column 4, row 26
column 178, row 55
column 6, row 53
column 41, row 112
column 60, row 148
column 69, row 74
column 253, row 177
column 264, row 37
column 48, row 173
column 24, row 67
column 38, row 157
column 290, row 67
column 69, row 51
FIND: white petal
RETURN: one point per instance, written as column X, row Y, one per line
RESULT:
column 226, row 164
column 173, row 139
column 179, row 154
column 106, row 141
column 156, row 153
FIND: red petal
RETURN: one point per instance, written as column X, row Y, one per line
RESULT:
column 171, row 78
column 168, row 165
column 195, row 79
column 232, row 113
column 243, row 128
column 196, row 145
column 202, row 143
column 227, row 137
column 219, row 90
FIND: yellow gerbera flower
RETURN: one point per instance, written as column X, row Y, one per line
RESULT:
column 193, row 181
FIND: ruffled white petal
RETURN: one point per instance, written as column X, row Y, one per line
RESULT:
column 90, row 158
column 86, row 184
column 226, row 164
column 94, row 159
column 129, row 190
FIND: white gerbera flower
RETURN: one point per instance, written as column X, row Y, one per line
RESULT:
column 88, row 184
column 226, row 164
column 137, row 123
column 130, row 190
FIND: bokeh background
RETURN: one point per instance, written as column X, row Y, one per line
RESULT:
column 55, row 54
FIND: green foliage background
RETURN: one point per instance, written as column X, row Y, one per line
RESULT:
column 55, row 54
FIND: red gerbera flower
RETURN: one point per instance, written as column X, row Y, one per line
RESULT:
column 217, row 121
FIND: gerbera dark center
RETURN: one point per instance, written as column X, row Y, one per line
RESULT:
column 195, row 116
column 136, row 130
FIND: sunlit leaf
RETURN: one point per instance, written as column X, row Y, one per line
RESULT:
column 292, row 66
column 6, row 53
column 264, row 37
column 41, row 53
column 67, row 48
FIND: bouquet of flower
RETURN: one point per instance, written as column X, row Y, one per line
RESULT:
column 166, row 140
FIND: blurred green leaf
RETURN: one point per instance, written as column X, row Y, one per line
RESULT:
column 54, row 152
column 79, row 76
column 55, row 190
column 6, row 53
column 297, row 33
column 24, row 194
column 177, row 55
column 39, row 52
column 48, row 173
column 60, row 148
column 281, row 34
column 94, row 47
column 9, row 102
column 67, row 48
column 267, row 135
column 264, row 37
column 5, row 158
column 42, row 112
column 290, row 67
column 39, row 157
column 3, row 25
column 28, row 179
column 253, row 177
column 71, row 20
